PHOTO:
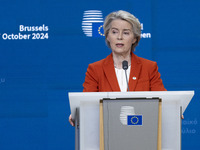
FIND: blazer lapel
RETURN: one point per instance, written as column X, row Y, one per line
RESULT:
column 134, row 73
column 109, row 70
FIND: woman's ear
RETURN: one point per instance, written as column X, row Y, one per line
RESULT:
column 134, row 40
column 107, row 38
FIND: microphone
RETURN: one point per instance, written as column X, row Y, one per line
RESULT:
column 125, row 67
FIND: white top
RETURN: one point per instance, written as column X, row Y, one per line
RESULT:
column 121, row 78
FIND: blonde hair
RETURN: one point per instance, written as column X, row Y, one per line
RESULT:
column 123, row 15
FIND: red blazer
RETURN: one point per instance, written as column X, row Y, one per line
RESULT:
column 144, row 76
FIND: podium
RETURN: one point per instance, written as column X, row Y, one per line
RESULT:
column 86, row 110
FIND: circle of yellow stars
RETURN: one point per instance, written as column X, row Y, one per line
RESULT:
column 135, row 121
column 99, row 30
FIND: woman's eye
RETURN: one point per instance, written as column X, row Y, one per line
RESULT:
column 114, row 31
column 127, row 33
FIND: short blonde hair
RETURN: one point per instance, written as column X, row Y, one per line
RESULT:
column 123, row 15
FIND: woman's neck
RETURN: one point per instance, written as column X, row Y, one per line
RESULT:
column 118, row 59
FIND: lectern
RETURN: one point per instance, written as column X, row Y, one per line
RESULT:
column 86, row 110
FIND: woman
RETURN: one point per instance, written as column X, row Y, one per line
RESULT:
column 122, row 33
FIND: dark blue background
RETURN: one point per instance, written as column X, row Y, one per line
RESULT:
column 36, row 75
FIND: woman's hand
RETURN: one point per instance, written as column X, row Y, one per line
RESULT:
column 71, row 121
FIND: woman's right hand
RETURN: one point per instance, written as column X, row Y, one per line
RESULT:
column 71, row 121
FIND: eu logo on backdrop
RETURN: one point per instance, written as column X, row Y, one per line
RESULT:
column 134, row 120
column 92, row 23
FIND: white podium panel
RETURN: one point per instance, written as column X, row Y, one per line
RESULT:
column 88, row 103
column 171, row 128
column 89, row 125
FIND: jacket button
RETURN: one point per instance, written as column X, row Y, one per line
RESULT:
column 134, row 78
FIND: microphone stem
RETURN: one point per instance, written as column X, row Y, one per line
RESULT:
column 126, row 80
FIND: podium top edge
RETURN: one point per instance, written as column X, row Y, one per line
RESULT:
column 133, row 92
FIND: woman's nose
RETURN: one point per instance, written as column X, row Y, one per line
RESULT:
column 120, row 36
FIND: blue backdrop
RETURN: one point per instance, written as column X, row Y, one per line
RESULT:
column 42, row 63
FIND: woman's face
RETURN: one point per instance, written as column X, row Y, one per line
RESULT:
column 121, row 37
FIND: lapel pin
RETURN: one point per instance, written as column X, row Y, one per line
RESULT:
column 134, row 78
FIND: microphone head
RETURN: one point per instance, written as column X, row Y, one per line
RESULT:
column 125, row 65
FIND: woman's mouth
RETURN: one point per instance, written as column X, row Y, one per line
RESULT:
column 119, row 45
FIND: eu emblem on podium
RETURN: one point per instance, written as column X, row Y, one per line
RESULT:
column 134, row 120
